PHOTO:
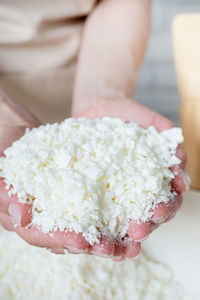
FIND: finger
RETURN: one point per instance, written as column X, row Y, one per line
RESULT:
column 182, row 156
column 21, row 215
column 70, row 252
column 34, row 236
column 179, row 201
column 139, row 231
column 154, row 226
column 132, row 249
column 57, row 250
column 70, row 240
column 5, row 200
column 119, row 251
column 161, row 213
column 119, row 248
column 74, row 250
column 175, row 207
column 181, row 182
column 20, row 212
column 119, row 258
column 105, row 248
column 166, row 211
column 6, row 221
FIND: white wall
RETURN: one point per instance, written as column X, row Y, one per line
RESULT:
column 156, row 86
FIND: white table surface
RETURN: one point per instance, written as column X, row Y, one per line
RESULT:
column 177, row 244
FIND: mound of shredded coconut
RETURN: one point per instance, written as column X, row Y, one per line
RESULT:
column 32, row 273
column 91, row 176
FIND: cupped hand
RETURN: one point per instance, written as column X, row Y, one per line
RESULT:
column 16, row 216
column 130, row 110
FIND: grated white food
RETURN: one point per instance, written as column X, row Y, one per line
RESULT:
column 32, row 273
column 91, row 176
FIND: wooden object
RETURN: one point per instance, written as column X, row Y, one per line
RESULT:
column 186, row 42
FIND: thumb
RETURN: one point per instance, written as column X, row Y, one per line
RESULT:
column 21, row 213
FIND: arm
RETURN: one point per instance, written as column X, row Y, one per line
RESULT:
column 113, row 47
column 114, row 42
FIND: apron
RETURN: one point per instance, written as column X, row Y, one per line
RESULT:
column 39, row 44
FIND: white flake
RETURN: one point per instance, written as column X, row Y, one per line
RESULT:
column 92, row 176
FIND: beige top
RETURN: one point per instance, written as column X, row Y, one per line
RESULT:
column 39, row 42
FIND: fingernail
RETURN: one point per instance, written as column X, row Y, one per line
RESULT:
column 160, row 219
column 76, row 250
column 143, row 239
column 14, row 212
column 101, row 255
column 118, row 259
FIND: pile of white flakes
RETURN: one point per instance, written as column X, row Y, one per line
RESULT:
column 91, row 176
column 27, row 272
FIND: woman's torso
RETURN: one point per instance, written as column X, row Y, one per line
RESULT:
column 39, row 42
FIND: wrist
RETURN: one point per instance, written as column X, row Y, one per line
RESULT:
column 107, row 107
column 84, row 102
column 14, row 114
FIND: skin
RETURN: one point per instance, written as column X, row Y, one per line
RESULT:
column 105, row 82
column 75, row 243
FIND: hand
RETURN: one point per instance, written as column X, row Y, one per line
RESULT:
column 12, row 212
column 131, row 110
column 14, row 215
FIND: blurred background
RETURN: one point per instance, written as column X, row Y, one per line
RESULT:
column 157, row 89
column 156, row 86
